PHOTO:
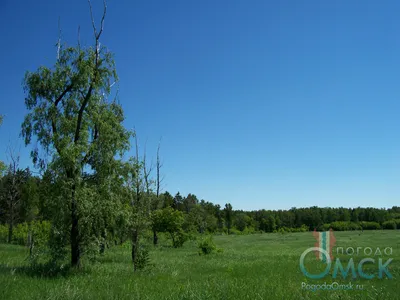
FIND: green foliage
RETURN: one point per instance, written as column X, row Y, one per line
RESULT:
column 3, row 233
column 228, row 211
column 370, row 225
column 392, row 224
column 142, row 259
column 242, row 221
column 341, row 226
column 302, row 228
column 171, row 221
column 40, row 231
column 207, row 245
column 179, row 238
column 79, row 129
column 235, row 231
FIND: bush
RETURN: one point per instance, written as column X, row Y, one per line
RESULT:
column 343, row 226
column 370, row 225
column 248, row 230
column 392, row 224
column 142, row 260
column 284, row 229
column 235, row 231
column 179, row 238
column 207, row 245
column 40, row 231
column 3, row 233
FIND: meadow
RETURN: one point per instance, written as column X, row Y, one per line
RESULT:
column 257, row 266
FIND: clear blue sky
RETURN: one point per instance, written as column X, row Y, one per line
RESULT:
column 263, row 104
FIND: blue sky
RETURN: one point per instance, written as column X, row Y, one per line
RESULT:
column 263, row 104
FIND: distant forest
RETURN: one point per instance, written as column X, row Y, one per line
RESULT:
column 26, row 199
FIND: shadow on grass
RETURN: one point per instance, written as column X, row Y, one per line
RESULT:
column 43, row 270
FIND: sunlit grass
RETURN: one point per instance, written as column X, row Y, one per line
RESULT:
column 260, row 266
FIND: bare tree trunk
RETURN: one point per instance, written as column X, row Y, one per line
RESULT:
column 75, row 245
column 10, row 231
column 155, row 238
column 159, row 165
column 158, row 183
column 135, row 233
column 103, row 242
column 135, row 247
column 13, row 193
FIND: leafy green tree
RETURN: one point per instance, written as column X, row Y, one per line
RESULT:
column 167, row 200
column 171, row 221
column 140, row 205
column 228, row 216
column 189, row 202
column 178, row 202
column 14, row 197
column 271, row 223
column 242, row 221
column 76, row 126
column 220, row 217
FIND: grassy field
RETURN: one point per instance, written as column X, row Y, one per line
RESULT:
column 260, row 266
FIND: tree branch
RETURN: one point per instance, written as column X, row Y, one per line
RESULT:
column 98, row 34
column 68, row 89
column 80, row 114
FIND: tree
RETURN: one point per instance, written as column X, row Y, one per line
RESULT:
column 2, row 164
column 169, row 220
column 178, row 202
column 70, row 117
column 158, row 187
column 12, row 193
column 271, row 223
column 228, row 216
column 219, row 216
column 140, row 201
column 189, row 202
column 167, row 200
column 242, row 221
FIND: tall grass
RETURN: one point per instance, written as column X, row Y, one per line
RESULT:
column 258, row 266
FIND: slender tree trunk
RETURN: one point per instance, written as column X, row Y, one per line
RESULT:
column 155, row 238
column 173, row 239
column 29, row 238
column 31, row 241
column 75, row 247
column 135, row 247
column 103, row 243
column 10, row 231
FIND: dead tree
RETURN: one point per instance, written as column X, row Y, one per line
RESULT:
column 13, row 192
column 159, row 180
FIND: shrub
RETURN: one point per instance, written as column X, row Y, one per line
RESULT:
column 40, row 231
column 343, row 226
column 3, row 233
column 248, row 230
column 284, row 229
column 392, row 224
column 235, row 231
column 370, row 225
column 207, row 245
column 179, row 238
column 142, row 259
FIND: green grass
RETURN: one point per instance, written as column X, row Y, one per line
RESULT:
column 260, row 266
